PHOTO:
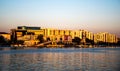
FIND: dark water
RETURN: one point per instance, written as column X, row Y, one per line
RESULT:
column 60, row 59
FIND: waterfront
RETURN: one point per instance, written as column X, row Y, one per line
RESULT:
column 60, row 59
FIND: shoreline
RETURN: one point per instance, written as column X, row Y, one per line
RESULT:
column 61, row 46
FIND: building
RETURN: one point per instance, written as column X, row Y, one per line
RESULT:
column 105, row 37
column 95, row 38
column 27, row 34
column 57, row 35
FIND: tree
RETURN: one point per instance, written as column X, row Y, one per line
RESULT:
column 89, row 41
column 76, row 40
column 2, row 40
column 101, row 43
column 40, row 38
column 20, row 42
column 118, row 43
column 48, row 39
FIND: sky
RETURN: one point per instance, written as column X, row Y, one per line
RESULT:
column 92, row 15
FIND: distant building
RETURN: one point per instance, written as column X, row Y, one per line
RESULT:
column 29, row 35
column 56, row 35
column 105, row 37
column 95, row 38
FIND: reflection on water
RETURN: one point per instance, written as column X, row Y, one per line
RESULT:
column 61, row 59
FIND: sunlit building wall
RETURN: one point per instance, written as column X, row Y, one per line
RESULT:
column 87, row 34
column 112, row 38
column 95, row 38
column 55, row 34
column 106, row 37
column 76, row 33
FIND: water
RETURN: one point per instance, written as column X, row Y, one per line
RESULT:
column 60, row 59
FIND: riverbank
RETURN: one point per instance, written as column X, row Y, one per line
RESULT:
column 62, row 46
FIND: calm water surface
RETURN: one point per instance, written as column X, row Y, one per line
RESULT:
column 60, row 59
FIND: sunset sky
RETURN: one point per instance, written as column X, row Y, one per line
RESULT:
column 92, row 15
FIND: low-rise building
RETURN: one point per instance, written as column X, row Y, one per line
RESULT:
column 27, row 34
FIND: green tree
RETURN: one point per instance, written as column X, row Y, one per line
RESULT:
column 76, row 40
column 40, row 38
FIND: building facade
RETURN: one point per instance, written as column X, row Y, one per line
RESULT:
column 105, row 37
column 26, row 34
column 29, row 35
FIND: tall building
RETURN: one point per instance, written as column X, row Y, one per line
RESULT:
column 105, row 37
column 55, row 34
column 95, row 38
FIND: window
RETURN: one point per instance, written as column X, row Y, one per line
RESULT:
column 53, row 32
column 64, row 32
column 58, row 32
